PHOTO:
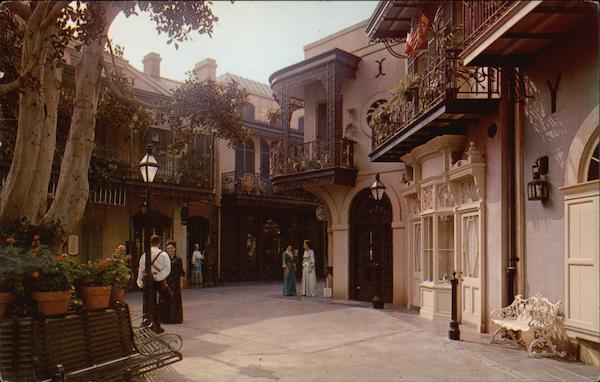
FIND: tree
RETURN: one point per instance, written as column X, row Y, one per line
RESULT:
column 45, row 29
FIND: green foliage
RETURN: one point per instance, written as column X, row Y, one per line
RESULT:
column 410, row 83
column 201, row 107
column 271, row 114
column 25, row 234
column 49, row 272
column 12, row 270
column 120, row 268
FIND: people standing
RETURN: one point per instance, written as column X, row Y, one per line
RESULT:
column 172, row 310
column 197, row 258
column 160, row 269
column 309, row 276
column 288, row 263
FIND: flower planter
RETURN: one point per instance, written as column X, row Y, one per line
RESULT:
column 52, row 303
column 95, row 298
column 6, row 299
column 117, row 295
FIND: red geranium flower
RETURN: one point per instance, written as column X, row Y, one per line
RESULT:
column 121, row 248
column 34, row 254
column 35, row 244
column 35, row 274
column 37, row 237
column 10, row 240
column 104, row 262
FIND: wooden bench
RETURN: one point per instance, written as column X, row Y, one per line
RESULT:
column 536, row 315
column 95, row 346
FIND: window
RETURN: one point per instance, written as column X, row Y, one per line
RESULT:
column 301, row 123
column 248, row 112
column 445, row 247
column 592, row 165
column 428, row 248
column 372, row 109
column 417, row 247
column 322, row 121
column 470, row 246
column 244, row 159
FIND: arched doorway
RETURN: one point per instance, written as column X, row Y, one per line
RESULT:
column 363, row 237
column 160, row 226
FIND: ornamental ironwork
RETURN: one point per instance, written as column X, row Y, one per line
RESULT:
column 479, row 15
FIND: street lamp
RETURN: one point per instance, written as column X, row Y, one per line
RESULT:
column 148, row 168
column 377, row 190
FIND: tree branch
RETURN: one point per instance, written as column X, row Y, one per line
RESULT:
column 54, row 14
column 18, row 8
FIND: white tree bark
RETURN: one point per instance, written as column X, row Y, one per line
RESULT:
column 15, row 197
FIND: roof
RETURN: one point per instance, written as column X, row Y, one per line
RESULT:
column 251, row 86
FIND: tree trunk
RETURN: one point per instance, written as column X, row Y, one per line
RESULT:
column 38, row 191
column 73, row 185
column 72, row 190
column 15, row 195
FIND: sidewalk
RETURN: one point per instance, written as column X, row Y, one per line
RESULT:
column 250, row 332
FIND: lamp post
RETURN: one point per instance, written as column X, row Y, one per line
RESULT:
column 148, row 168
column 377, row 190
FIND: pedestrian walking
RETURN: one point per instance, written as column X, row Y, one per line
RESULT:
column 288, row 263
column 309, row 276
column 197, row 258
column 172, row 309
column 160, row 269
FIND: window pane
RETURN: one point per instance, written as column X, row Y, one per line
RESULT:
column 417, row 247
column 593, row 169
column 428, row 248
column 445, row 247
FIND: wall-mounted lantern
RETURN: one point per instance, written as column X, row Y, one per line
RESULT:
column 538, row 188
column 184, row 213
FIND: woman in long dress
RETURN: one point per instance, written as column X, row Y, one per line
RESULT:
column 309, row 277
column 288, row 263
column 172, row 310
column 197, row 258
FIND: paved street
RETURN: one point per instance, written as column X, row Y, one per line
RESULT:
column 249, row 332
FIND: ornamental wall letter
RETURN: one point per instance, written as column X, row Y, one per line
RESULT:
column 380, row 63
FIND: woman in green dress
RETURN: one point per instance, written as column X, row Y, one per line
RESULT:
column 289, row 271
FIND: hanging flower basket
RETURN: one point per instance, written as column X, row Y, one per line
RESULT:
column 6, row 298
column 54, row 303
column 96, row 297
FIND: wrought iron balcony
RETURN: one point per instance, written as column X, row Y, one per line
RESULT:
column 247, row 184
column 508, row 32
column 447, row 95
column 313, row 164
column 191, row 169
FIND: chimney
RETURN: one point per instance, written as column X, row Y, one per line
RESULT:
column 152, row 64
column 206, row 69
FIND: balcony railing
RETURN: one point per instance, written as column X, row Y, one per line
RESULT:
column 480, row 14
column 444, row 80
column 315, row 155
column 191, row 169
column 234, row 183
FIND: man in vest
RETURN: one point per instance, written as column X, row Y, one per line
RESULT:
column 161, row 267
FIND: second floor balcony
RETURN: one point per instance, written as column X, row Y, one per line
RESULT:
column 192, row 171
column 509, row 32
column 314, row 163
column 444, row 97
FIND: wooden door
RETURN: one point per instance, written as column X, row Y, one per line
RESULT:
column 470, row 266
column 364, row 244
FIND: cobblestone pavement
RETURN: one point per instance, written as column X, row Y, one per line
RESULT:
column 249, row 332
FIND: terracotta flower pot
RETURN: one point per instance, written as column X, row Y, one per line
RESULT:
column 52, row 303
column 117, row 294
column 96, row 297
column 6, row 298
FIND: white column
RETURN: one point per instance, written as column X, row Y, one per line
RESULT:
column 340, row 260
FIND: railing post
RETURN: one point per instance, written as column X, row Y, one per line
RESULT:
column 454, row 332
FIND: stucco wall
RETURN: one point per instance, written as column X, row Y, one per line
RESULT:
column 575, row 57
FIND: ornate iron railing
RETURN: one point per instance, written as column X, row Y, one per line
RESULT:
column 190, row 169
column 480, row 14
column 315, row 155
column 444, row 79
column 245, row 184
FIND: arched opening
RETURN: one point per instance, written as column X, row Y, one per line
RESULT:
column 160, row 225
column 365, row 234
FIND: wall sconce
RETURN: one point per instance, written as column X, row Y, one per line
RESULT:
column 184, row 213
column 538, row 188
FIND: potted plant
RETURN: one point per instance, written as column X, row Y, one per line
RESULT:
column 405, row 90
column 94, row 283
column 11, row 275
column 121, row 273
column 50, row 279
column 271, row 114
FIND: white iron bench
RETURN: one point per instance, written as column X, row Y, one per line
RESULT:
column 536, row 315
